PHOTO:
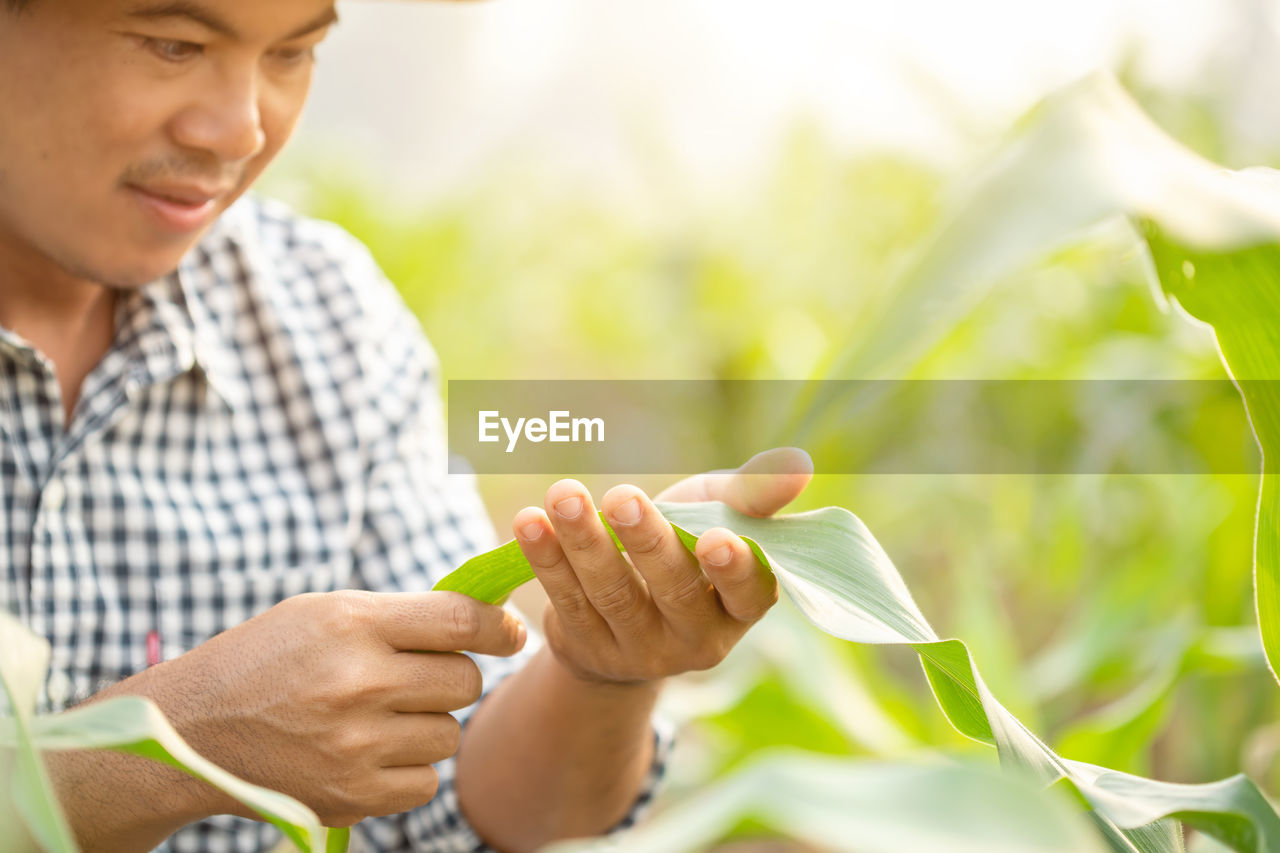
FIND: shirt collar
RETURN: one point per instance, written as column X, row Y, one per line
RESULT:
column 212, row 344
column 188, row 318
column 200, row 315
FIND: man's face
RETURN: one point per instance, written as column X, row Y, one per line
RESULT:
column 129, row 125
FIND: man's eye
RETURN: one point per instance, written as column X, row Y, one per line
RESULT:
column 294, row 55
column 173, row 50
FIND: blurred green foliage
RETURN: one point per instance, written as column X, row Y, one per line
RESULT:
column 1112, row 614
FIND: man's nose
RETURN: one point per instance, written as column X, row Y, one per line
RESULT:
column 224, row 118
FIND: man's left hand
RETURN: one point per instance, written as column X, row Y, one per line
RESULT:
column 658, row 610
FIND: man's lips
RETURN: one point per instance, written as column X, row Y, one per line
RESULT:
column 178, row 207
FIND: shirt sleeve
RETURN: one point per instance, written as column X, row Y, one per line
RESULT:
column 419, row 523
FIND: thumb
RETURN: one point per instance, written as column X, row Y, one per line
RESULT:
column 761, row 486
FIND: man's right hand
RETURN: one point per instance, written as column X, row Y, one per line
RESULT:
column 339, row 699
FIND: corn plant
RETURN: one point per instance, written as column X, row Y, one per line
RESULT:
column 833, row 569
column 1086, row 154
column 870, row 807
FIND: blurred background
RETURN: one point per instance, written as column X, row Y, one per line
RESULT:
column 717, row 189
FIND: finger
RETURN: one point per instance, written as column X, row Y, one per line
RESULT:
column 433, row 682
column 612, row 585
column 747, row 589
column 444, row 621
column 761, row 486
column 768, row 481
column 414, row 740
column 404, row 788
column 538, row 543
column 676, row 582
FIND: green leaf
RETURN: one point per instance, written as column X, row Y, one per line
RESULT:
column 1238, row 294
column 1085, row 154
column 855, row 560
column 867, row 807
column 491, row 576
column 135, row 725
column 337, row 840
column 494, row 575
column 837, row 574
column 128, row 724
column 24, row 657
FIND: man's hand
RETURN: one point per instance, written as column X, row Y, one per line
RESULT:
column 577, row 717
column 662, row 611
column 338, row 699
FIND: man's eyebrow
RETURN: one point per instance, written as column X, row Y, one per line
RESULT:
column 327, row 18
column 210, row 20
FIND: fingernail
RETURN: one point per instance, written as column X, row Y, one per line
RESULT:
column 569, row 508
column 627, row 512
column 719, row 556
column 531, row 531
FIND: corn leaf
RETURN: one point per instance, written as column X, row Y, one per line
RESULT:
column 24, row 658
column 837, row 574
column 129, row 724
column 1086, row 154
column 491, row 576
column 1238, row 294
column 867, row 807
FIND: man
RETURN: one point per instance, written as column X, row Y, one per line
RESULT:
column 217, row 422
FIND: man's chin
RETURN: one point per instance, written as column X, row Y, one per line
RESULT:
column 151, row 257
column 143, row 267
column 127, row 276
column 134, row 281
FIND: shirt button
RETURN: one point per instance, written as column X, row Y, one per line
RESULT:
column 55, row 495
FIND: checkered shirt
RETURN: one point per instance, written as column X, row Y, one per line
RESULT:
column 267, row 422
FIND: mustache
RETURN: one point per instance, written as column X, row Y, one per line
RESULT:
column 203, row 172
